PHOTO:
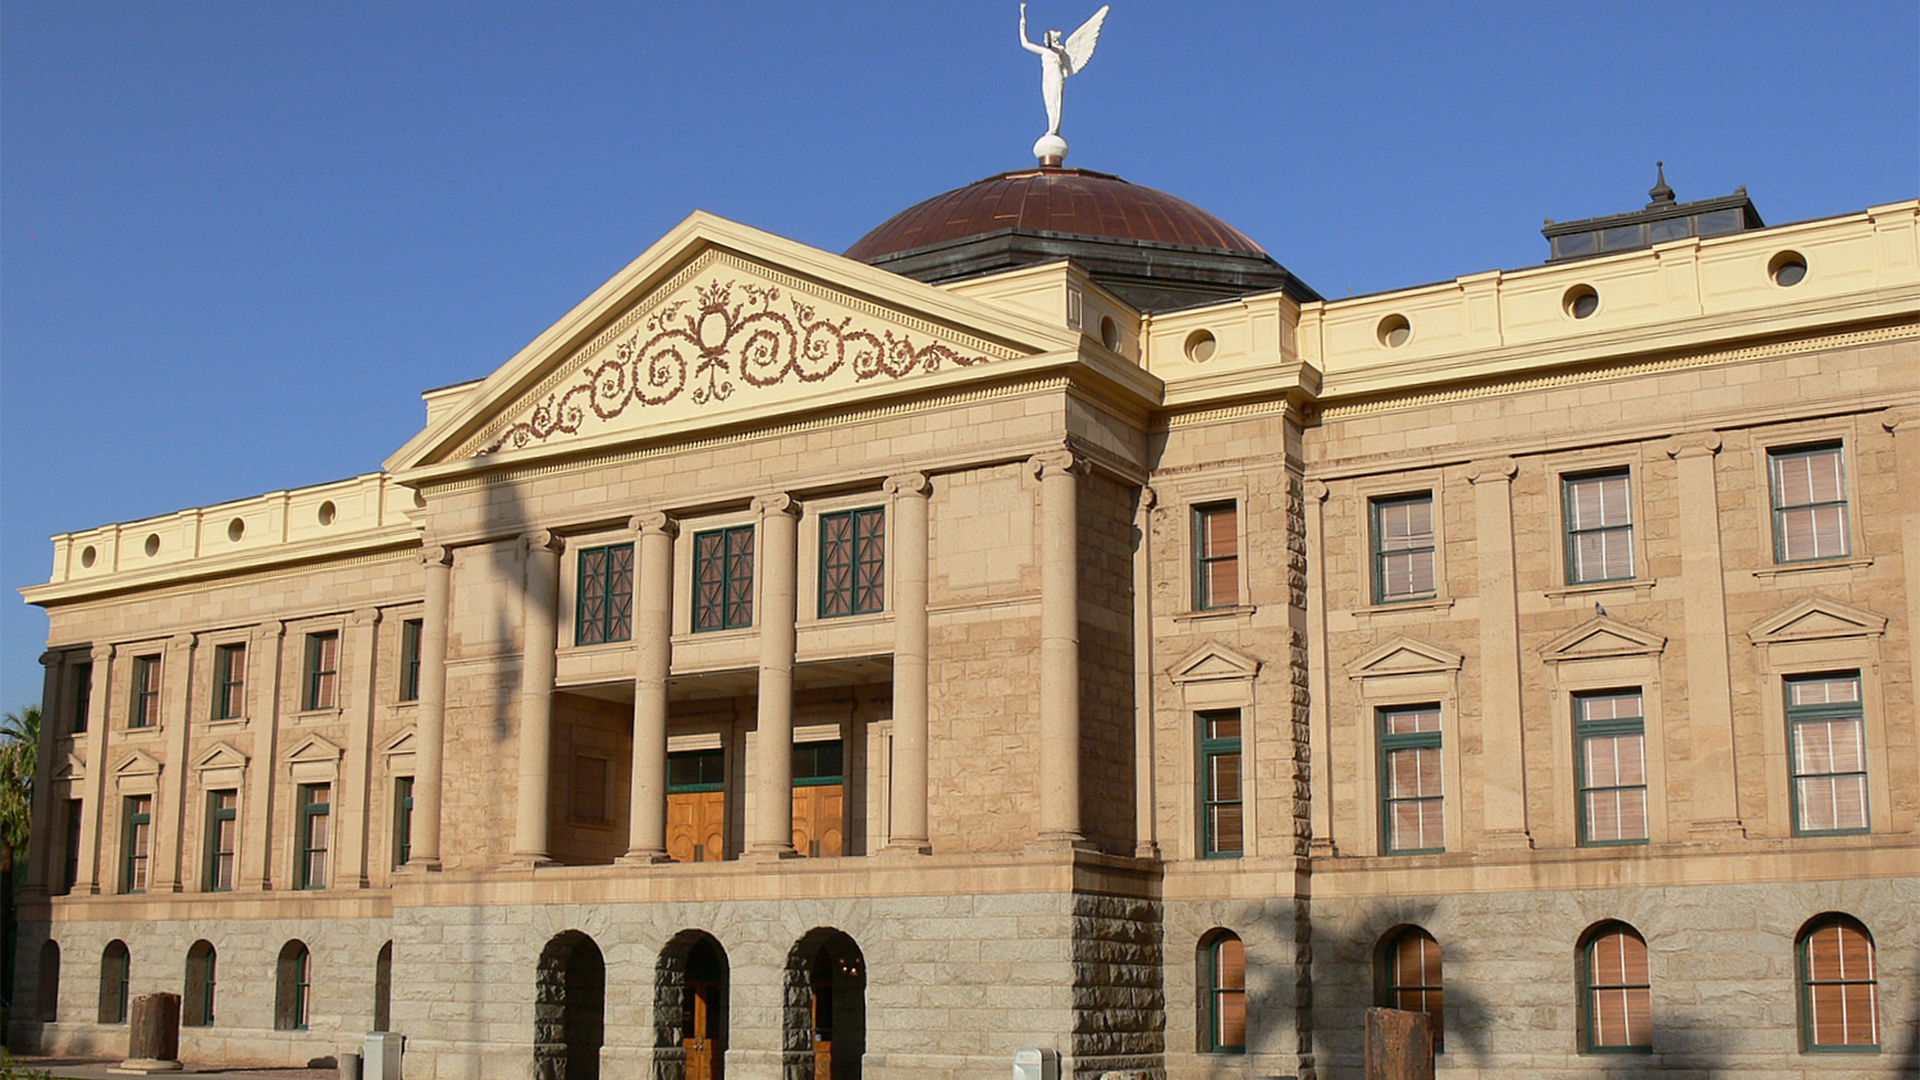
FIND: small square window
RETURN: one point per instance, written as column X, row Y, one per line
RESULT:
column 323, row 671
column 723, row 579
column 1599, row 520
column 1809, row 503
column 1403, row 567
column 605, row 610
column 853, row 545
column 1216, row 555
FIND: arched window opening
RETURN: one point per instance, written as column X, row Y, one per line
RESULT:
column 115, row 971
column 1411, row 981
column 293, row 987
column 383, row 989
column 47, row 993
column 1839, row 986
column 690, row 1006
column 1618, row 991
column 1223, row 1004
column 570, row 1001
column 826, row 1011
column 196, row 997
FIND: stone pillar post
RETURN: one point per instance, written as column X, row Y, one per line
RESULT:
column 264, row 648
column 653, row 661
column 1503, row 783
column 93, row 802
column 540, row 638
column 1059, row 474
column 1716, row 810
column 359, row 653
column 1319, row 724
column 780, row 566
column 176, row 677
column 430, row 731
column 1903, row 426
column 1146, row 822
column 40, row 841
column 911, row 494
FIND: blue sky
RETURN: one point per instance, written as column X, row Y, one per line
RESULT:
column 236, row 240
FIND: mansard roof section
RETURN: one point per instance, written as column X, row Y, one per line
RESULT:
column 718, row 325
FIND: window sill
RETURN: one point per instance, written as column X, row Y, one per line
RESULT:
column 315, row 716
column 1857, row 562
column 1240, row 611
column 1642, row 588
column 1431, row 605
column 220, row 722
column 597, row 646
column 140, row 734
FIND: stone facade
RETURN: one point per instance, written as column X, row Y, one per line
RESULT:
column 1099, row 760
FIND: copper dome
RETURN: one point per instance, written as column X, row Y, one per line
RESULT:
column 1061, row 201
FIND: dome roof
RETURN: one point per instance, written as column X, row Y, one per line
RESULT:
column 1042, row 200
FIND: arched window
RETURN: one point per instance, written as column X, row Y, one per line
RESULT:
column 1223, row 1005
column 1617, row 995
column 383, row 989
column 115, row 969
column 1839, row 986
column 196, row 998
column 48, row 994
column 292, row 987
column 1410, row 978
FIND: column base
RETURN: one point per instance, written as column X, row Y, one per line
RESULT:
column 1507, row 840
column 522, row 861
column 768, row 854
column 1321, row 847
column 145, row 1066
column 1147, row 850
column 1060, row 841
column 418, row 866
column 644, row 858
column 906, row 846
column 1717, row 829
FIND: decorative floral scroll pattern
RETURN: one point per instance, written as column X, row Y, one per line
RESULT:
column 709, row 344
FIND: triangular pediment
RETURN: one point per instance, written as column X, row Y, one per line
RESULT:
column 317, row 749
column 1405, row 656
column 402, row 743
column 1817, row 618
column 220, row 756
column 138, row 763
column 717, row 324
column 1600, row 638
column 1214, row 662
column 73, row 768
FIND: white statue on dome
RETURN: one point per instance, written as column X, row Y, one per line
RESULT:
column 1059, row 59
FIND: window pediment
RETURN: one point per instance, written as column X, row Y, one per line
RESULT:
column 1817, row 619
column 71, row 769
column 221, row 755
column 315, row 750
column 1214, row 662
column 1405, row 656
column 1600, row 638
column 138, row 763
column 402, row 743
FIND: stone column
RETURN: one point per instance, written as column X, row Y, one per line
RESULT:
column 430, row 730
column 1716, row 807
column 1146, row 822
column 540, row 637
column 653, row 661
column 779, row 544
column 908, row 580
column 263, row 716
column 1059, row 474
column 1903, row 426
column 41, row 842
column 1319, row 725
column 93, row 801
column 359, row 653
column 1503, row 783
column 170, row 809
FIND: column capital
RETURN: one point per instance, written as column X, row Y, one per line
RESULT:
column 655, row 523
column 1692, row 444
column 544, row 540
column 1317, row 490
column 777, row 503
column 52, row 658
column 436, row 555
column 1894, row 420
column 102, row 653
column 183, row 641
column 273, row 628
column 1149, row 499
column 909, row 484
column 1498, row 470
column 1057, row 462
column 369, row 616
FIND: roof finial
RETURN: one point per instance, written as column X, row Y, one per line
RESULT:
column 1660, row 192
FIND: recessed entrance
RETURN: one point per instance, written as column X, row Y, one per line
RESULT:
column 569, row 1009
column 690, row 1008
column 827, row 1003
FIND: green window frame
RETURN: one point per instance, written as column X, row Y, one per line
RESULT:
column 1839, row 988
column 604, row 607
column 402, row 820
column 316, row 806
column 817, row 764
column 1598, row 511
column 1616, row 1000
column 1610, row 768
column 1216, row 555
column 293, row 987
column 116, row 978
column 410, row 659
column 136, row 843
column 1412, row 799
column 1222, row 785
column 196, row 1004
column 1403, row 548
column 1809, row 489
column 1412, row 980
column 82, row 697
column 223, row 829
column 229, row 681
column 696, row 770
column 1226, row 994
column 853, row 555
column 723, row 579
column 322, row 684
column 144, row 702
column 1826, row 749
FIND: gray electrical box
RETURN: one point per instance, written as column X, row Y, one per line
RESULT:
column 380, row 1059
column 1031, row 1064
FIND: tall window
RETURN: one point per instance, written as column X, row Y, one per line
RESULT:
column 136, row 843
column 1839, row 987
column 383, row 988
column 1410, row 796
column 82, row 697
column 293, row 986
column 223, row 835
column 1618, row 1003
column 605, row 611
column 70, row 850
column 1809, row 503
column 853, row 552
column 1403, row 548
column 1226, row 994
column 1827, row 740
column 323, row 670
column 1412, row 979
column 1216, row 555
column 410, row 660
column 723, row 578
column 402, row 820
column 315, row 802
column 229, row 681
column 1610, row 738
column 144, row 706
column 196, row 1004
column 48, row 996
column 115, row 973
column 1222, row 835
column 1599, row 519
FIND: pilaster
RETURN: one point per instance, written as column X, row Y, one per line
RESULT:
column 430, row 716
column 263, row 659
column 1319, row 734
column 170, row 803
column 1059, row 473
column 1146, row 820
column 1503, row 758
column 911, row 495
column 93, row 802
column 360, row 652
column 1716, row 805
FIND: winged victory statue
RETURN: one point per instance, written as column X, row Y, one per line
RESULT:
column 1058, row 60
